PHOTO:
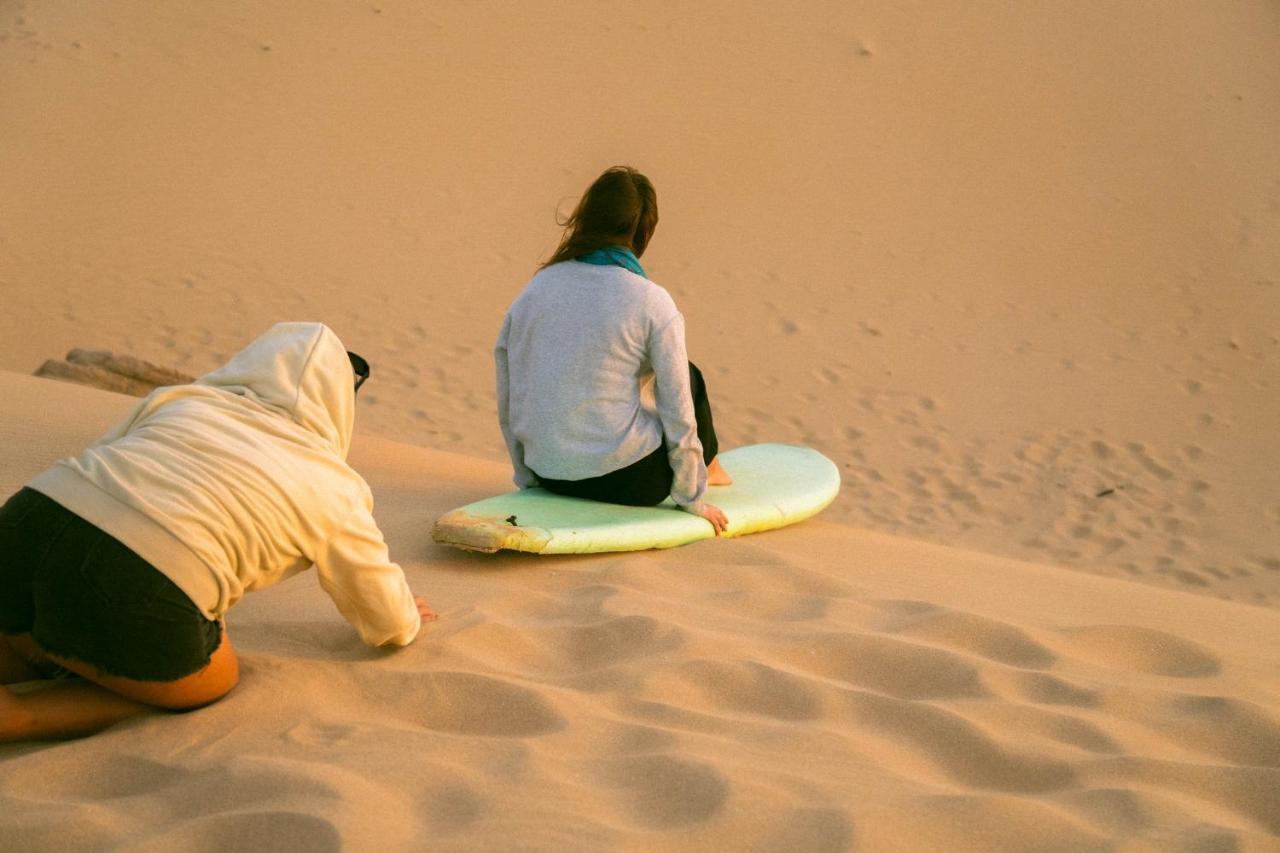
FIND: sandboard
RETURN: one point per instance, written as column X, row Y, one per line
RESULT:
column 773, row 485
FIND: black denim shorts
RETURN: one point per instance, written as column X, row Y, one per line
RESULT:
column 83, row 595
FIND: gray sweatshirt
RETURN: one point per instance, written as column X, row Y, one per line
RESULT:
column 592, row 374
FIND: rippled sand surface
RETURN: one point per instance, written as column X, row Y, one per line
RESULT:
column 1013, row 268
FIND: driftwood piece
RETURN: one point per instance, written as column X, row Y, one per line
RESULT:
column 98, row 377
column 127, row 365
column 122, row 374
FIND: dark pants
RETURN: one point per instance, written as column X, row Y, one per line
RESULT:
column 646, row 482
column 81, row 594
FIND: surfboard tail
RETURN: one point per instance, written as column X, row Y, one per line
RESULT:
column 486, row 534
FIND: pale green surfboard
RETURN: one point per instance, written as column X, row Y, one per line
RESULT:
column 773, row 485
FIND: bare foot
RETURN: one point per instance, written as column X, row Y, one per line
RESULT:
column 716, row 475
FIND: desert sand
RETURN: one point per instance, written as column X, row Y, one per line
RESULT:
column 1014, row 267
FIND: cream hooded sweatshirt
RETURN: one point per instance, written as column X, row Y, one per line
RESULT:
column 240, row 480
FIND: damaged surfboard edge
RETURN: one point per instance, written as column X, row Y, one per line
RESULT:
column 486, row 534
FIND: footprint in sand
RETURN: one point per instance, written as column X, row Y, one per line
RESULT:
column 813, row 830
column 1123, row 811
column 311, row 733
column 886, row 665
column 1143, row 458
column 630, row 739
column 1024, row 723
column 126, row 777
column 959, row 748
column 1251, row 792
column 664, row 792
column 975, row 634
column 1140, row 649
column 452, row 807
column 739, row 687
column 468, row 704
column 245, row 831
column 1231, row 729
column 990, row 823
column 616, row 640
column 1270, row 564
column 1042, row 689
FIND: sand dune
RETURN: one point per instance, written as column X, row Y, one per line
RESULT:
column 1012, row 266
column 996, row 261
column 815, row 688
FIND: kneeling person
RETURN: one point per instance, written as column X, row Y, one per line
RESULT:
column 120, row 563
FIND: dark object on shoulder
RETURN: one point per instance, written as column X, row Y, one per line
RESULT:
column 360, row 366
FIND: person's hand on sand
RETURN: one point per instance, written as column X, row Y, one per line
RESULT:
column 424, row 609
column 712, row 514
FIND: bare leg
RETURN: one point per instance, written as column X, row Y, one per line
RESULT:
column 15, row 668
column 716, row 475
column 70, row 709
column 63, row 709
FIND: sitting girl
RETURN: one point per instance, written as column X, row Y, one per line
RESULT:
column 596, row 396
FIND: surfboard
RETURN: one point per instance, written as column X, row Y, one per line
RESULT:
column 774, row 485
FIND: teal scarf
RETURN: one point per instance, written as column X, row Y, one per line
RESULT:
column 613, row 255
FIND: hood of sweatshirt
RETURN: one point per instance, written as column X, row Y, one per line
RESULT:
column 300, row 370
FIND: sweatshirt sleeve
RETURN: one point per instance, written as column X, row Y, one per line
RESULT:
column 674, row 400
column 524, row 476
column 370, row 591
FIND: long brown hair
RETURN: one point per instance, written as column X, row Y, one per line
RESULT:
column 620, row 208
